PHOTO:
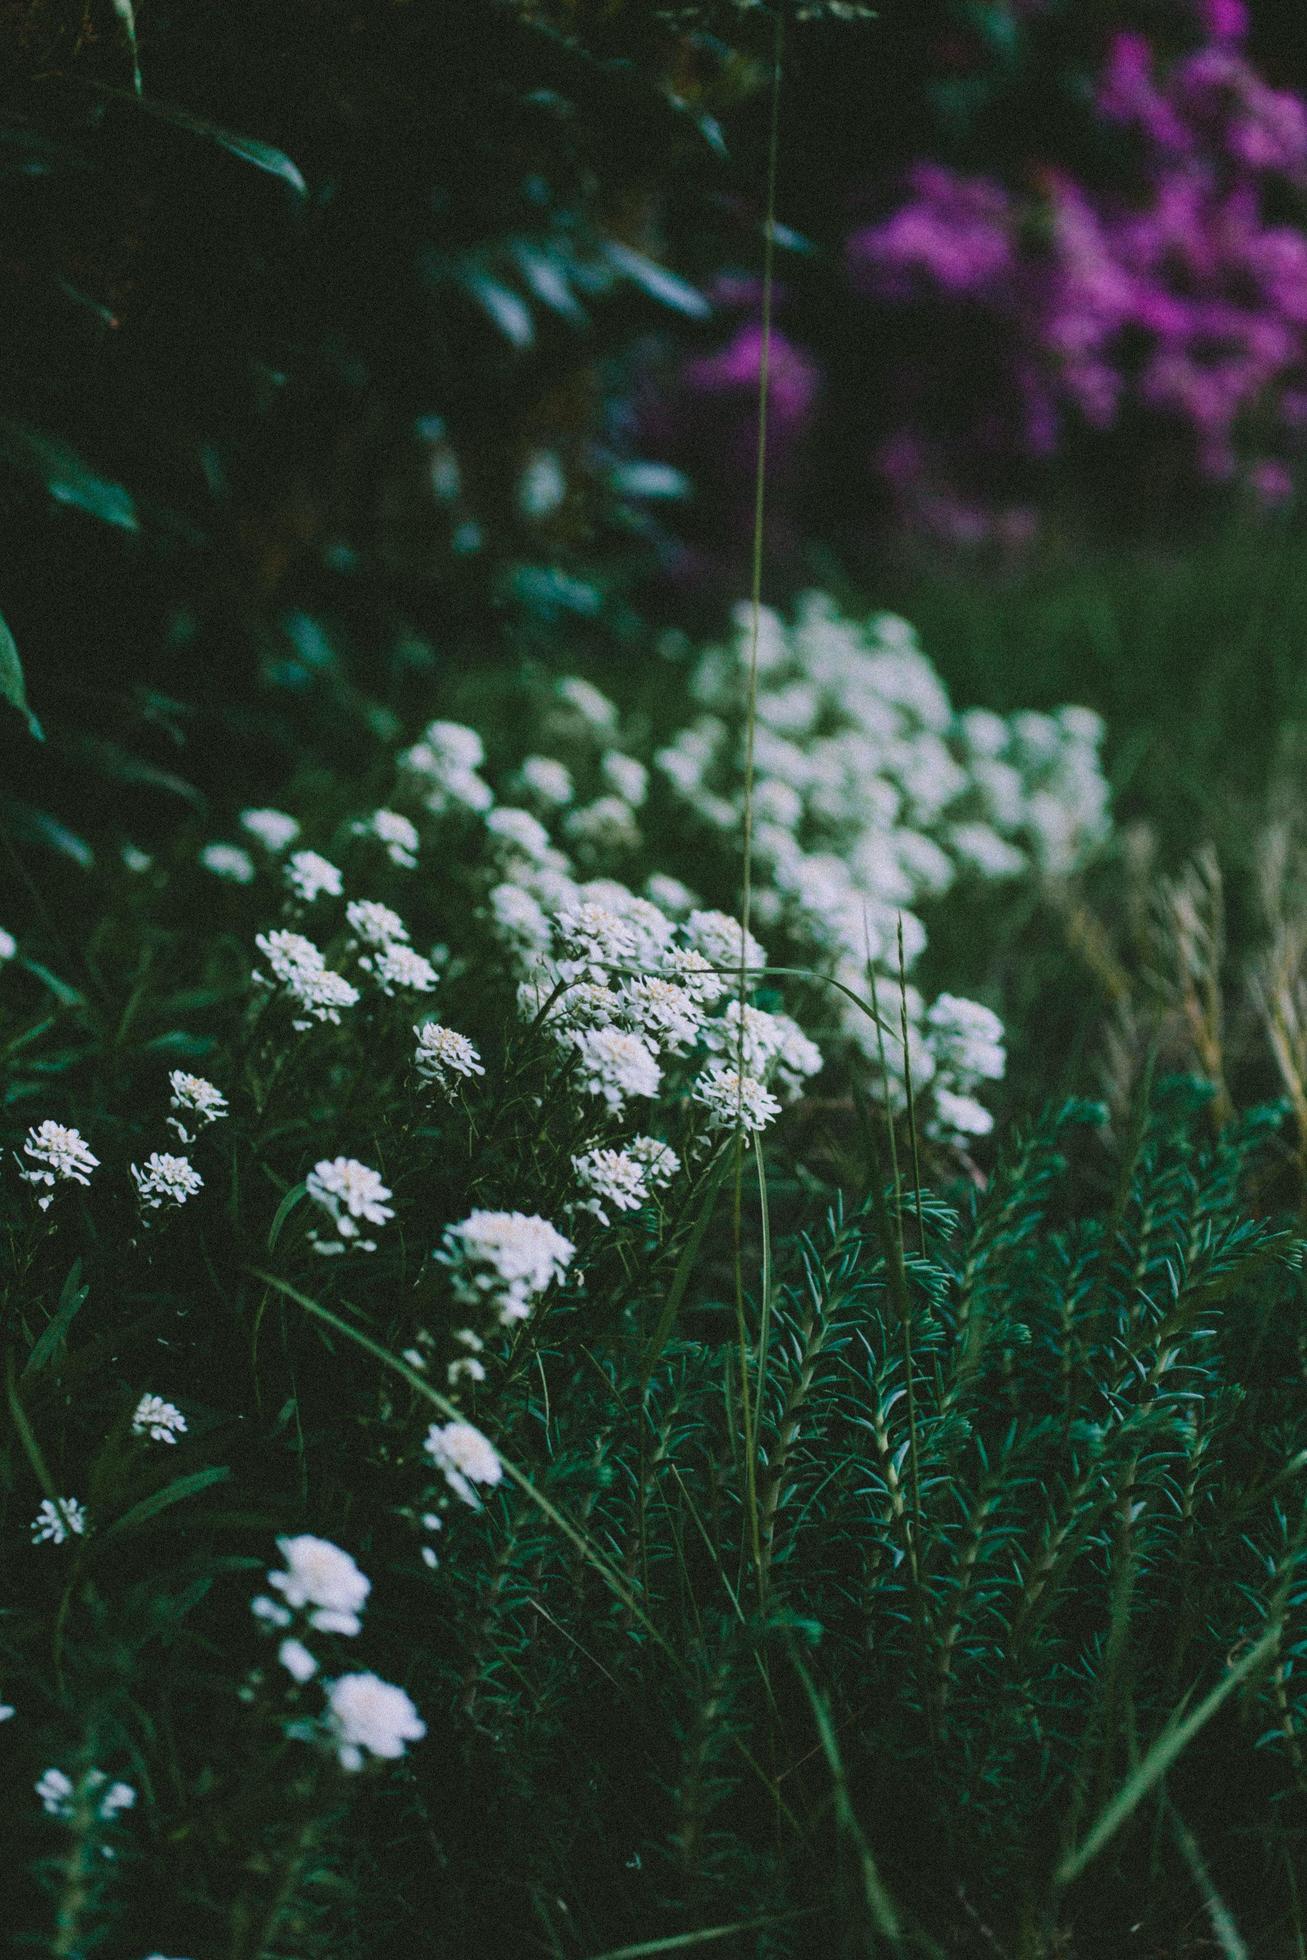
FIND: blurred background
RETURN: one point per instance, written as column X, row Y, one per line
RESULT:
column 351, row 342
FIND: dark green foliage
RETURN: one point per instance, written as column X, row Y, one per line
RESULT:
column 297, row 299
column 979, row 1611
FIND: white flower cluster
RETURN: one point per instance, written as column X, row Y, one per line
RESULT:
column 503, row 1261
column 162, row 1422
column 274, row 829
column 321, row 1581
column 613, row 1177
column 444, row 1058
column 399, row 968
column 871, row 794
column 165, row 1180
column 965, row 1044
column 300, row 971
column 396, row 832
column 464, row 1458
column 386, row 953
column 309, row 877
column 323, row 1591
column 443, row 767
column 370, row 1717
column 57, row 1520
column 228, row 862
column 93, row 1794
column 632, row 990
column 195, row 1103
column 58, row 1155
column 347, row 1191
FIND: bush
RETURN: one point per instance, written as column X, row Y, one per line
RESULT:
column 497, row 1460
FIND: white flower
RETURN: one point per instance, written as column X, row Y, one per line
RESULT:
column 516, row 833
column 320, row 1576
column 321, row 995
column 289, row 954
column 8, row 946
column 228, row 861
column 955, row 1116
column 798, row 1058
column 966, row 1040
column 586, row 703
column 445, row 762
column 198, row 1102
column 582, row 1004
column 55, row 1789
column 984, row 732
column 669, row 894
column 371, row 1718
column 58, row 1153
column 57, row 1520
column 397, row 832
column 983, row 851
column 61, row 1797
column 162, row 1422
column 504, row 1259
column 299, row 967
column 659, row 1161
column 734, row 1101
column 663, row 1012
column 615, row 1065
column 374, row 924
column 613, row 1177
column 269, row 1613
column 444, row 1057
column 166, row 1180
column 592, row 939
column 453, row 746
column 347, row 1191
column 607, row 824
column 519, row 919
column 542, row 485
column 464, row 1456
column 723, row 941
column 547, row 780
column 625, row 776
column 692, row 971
column 309, row 875
column 397, row 966
column 273, row 828
column 752, row 1041
column 297, row 1660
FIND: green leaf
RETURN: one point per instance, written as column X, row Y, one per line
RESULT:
column 120, row 765
column 162, row 1500
column 658, row 282
column 1175, row 1737
column 509, row 312
column 30, row 1447
column 39, row 827
column 70, row 1299
column 284, row 1210
column 248, row 149
column 178, row 1042
column 684, row 1267
column 67, row 476
column 12, row 687
column 61, row 990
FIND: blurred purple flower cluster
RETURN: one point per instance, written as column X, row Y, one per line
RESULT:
column 1144, row 309
column 1173, row 300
